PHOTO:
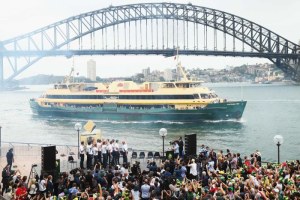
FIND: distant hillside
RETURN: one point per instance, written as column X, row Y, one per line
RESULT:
column 41, row 79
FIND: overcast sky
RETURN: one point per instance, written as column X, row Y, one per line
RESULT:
column 18, row 17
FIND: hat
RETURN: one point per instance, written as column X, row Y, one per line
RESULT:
column 193, row 160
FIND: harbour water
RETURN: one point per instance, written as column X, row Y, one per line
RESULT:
column 271, row 110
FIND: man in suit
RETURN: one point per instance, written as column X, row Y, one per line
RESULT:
column 180, row 143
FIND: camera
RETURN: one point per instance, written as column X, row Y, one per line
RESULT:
column 74, row 171
column 137, row 163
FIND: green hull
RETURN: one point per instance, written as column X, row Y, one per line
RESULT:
column 216, row 111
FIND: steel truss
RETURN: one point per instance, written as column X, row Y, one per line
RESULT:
column 156, row 37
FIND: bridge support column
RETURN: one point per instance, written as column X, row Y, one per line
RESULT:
column 298, row 70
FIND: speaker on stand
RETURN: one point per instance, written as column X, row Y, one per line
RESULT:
column 190, row 146
column 48, row 160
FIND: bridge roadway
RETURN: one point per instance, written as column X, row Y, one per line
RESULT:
column 164, row 52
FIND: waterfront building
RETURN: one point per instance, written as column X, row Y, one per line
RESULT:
column 168, row 74
column 91, row 70
column 146, row 72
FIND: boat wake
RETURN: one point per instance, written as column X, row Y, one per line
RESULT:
column 225, row 121
column 138, row 122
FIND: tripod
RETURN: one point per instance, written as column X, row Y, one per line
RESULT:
column 32, row 174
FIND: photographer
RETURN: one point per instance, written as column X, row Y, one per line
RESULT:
column 151, row 166
column 175, row 149
column 6, row 176
column 135, row 169
column 181, row 144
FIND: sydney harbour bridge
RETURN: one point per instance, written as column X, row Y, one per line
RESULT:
column 149, row 29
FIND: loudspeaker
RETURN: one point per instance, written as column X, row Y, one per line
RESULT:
column 48, row 158
column 54, row 173
column 190, row 146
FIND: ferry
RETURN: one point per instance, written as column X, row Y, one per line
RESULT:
column 181, row 100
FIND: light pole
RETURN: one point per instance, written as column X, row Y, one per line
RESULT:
column 278, row 140
column 163, row 133
column 78, row 127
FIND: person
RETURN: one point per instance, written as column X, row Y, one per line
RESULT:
column 99, row 146
column 6, row 174
column 109, row 149
column 21, row 192
column 95, row 153
column 258, row 157
column 43, row 187
column 180, row 147
column 32, row 188
column 81, row 151
column 10, row 157
column 50, row 186
column 135, row 193
column 116, row 153
column 193, row 169
column 104, row 153
column 124, row 151
column 89, row 153
column 145, row 190
column 73, row 190
column 175, row 149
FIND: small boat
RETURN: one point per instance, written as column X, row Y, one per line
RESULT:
column 181, row 100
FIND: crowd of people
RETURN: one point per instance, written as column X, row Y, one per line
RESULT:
column 211, row 174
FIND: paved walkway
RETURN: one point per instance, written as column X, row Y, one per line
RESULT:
column 25, row 155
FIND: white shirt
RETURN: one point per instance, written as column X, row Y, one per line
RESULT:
column 193, row 169
column 42, row 185
column 99, row 146
column 116, row 147
column 103, row 149
column 135, row 195
column 210, row 166
column 124, row 147
column 81, row 149
column 176, row 148
column 89, row 149
column 95, row 151
column 109, row 148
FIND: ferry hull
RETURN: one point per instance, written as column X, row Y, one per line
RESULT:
column 215, row 111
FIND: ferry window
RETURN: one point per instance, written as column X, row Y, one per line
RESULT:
column 168, row 85
column 204, row 96
column 196, row 96
column 182, row 85
column 195, row 85
column 214, row 95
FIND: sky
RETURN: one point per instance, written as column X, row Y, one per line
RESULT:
column 18, row 17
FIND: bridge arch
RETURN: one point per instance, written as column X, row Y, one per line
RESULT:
column 55, row 39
